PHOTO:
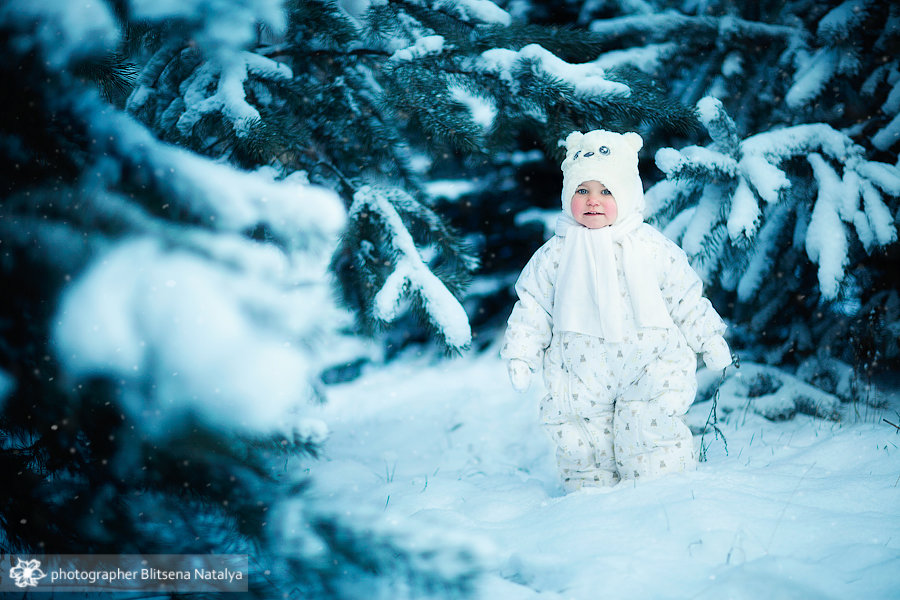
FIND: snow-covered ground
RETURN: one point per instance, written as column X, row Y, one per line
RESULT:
column 804, row 508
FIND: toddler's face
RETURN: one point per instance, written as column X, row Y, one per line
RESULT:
column 594, row 206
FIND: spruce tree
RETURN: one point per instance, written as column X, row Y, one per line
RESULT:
column 159, row 323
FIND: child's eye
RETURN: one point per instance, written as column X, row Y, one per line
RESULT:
column 581, row 191
column 606, row 193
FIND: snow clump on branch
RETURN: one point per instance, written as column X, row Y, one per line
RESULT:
column 734, row 175
column 411, row 276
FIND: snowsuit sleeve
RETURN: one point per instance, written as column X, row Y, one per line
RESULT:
column 530, row 325
column 692, row 313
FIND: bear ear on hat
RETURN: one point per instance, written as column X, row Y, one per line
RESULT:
column 573, row 138
column 635, row 141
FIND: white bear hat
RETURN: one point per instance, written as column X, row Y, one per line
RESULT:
column 610, row 158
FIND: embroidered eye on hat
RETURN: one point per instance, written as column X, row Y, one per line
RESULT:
column 610, row 158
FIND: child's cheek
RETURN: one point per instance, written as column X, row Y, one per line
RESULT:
column 575, row 205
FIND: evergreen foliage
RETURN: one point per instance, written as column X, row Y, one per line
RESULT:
column 160, row 318
column 373, row 99
column 787, row 202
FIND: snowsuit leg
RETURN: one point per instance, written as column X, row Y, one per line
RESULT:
column 578, row 413
column 651, row 436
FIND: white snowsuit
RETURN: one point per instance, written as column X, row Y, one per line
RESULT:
column 616, row 409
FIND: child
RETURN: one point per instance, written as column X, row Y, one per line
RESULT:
column 615, row 313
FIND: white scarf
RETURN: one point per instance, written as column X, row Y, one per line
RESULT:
column 587, row 298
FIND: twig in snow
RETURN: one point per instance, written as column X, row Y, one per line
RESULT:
column 712, row 420
column 897, row 427
column 666, row 515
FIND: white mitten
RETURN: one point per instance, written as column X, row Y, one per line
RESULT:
column 519, row 374
column 716, row 354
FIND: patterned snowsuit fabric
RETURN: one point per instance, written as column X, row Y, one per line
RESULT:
column 615, row 410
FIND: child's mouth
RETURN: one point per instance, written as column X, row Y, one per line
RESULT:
column 594, row 213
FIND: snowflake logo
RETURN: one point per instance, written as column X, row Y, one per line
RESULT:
column 27, row 573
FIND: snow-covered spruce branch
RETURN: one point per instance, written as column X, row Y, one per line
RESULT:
column 242, row 309
column 215, row 26
column 774, row 394
column 415, row 91
column 229, row 74
column 188, row 261
column 732, row 180
column 223, row 197
column 842, row 380
column 291, row 50
column 587, row 78
column 839, row 35
column 430, row 561
column 411, row 275
column 888, row 135
column 467, row 13
column 665, row 27
column 153, row 68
